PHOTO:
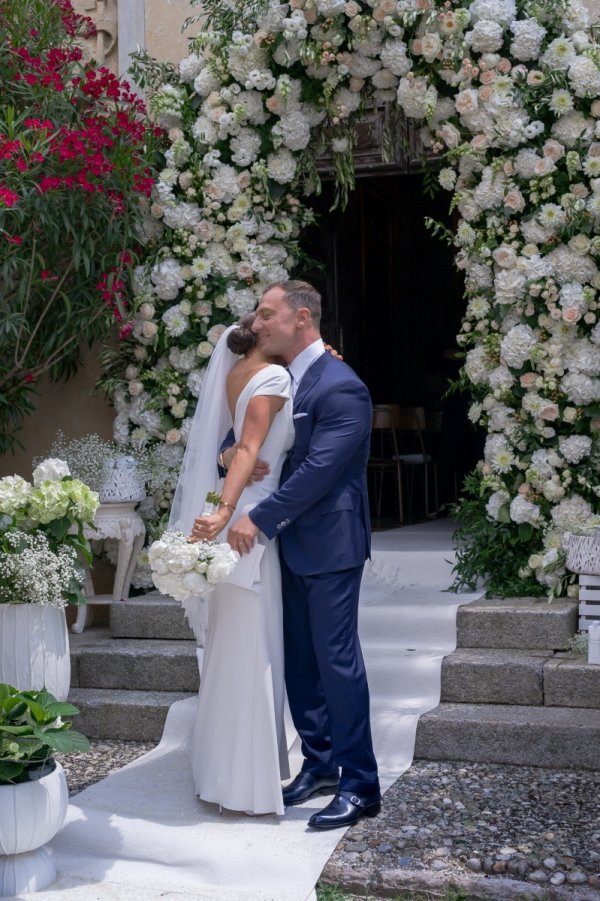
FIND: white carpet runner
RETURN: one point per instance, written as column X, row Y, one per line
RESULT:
column 142, row 834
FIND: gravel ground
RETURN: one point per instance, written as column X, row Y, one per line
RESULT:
column 484, row 830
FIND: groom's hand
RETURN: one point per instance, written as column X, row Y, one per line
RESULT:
column 261, row 468
column 242, row 535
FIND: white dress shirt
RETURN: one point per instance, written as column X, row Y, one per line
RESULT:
column 303, row 361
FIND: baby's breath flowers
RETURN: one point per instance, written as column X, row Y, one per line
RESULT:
column 32, row 573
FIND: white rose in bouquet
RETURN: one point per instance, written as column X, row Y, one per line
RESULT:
column 184, row 569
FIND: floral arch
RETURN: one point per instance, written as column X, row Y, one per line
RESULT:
column 507, row 92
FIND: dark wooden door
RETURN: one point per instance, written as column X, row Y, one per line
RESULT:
column 392, row 298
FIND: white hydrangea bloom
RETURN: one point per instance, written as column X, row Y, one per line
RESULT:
column 528, row 37
column 497, row 500
column 517, row 345
column 571, row 513
column 522, row 510
column 575, row 448
column 293, row 129
column 183, row 215
column 281, row 166
column 190, row 67
column 486, row 36
column 167, row 279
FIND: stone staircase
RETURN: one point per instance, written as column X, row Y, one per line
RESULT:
column 125, row 677
column 509, row 692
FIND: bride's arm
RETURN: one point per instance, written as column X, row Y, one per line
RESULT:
column 260, row 413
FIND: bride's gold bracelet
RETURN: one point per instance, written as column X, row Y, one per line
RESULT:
column 232, row 507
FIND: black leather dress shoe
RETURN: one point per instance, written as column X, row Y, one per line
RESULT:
column 305, row 785
column 345, row 809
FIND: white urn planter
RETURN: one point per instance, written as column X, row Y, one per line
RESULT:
column 31, row 813
column 34, row 648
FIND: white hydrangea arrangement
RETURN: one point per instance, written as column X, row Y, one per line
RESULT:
column 183, row 569
column 41, row 535
column 507, row 92
column 55, row 502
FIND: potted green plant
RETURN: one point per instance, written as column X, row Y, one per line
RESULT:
column 33, row 788
column 41, row 546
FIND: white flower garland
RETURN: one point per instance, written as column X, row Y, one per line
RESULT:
column 508, row 91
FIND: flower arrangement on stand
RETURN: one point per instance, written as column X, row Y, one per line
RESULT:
column 506, row 92
column 41, row 542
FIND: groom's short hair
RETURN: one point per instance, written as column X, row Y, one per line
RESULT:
column 298, row 295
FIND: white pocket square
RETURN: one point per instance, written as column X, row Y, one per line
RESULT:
column 298, row 415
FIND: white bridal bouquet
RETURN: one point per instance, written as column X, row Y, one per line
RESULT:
column 184, row 569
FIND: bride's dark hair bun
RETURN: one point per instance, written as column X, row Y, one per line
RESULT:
column 242, row 339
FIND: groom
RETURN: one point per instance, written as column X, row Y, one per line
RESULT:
column 320, row 514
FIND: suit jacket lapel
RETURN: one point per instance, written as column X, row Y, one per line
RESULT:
column 310, row 378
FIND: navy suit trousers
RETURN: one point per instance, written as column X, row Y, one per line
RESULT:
column 325, row 676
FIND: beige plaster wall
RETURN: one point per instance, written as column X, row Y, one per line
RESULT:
column 164, row 20
column 72, row 406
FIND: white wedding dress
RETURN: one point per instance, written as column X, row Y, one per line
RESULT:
column 239, row 752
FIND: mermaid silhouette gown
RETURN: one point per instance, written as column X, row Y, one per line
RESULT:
column 239, row 752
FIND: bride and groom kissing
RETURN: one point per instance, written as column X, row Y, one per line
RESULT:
column 293, row 445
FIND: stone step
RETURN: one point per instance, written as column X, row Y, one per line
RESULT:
column 135, row 664
column 516, row 623
column 571, row 682
column 494, row 676
column 557, row 737
column 123, row 715
column 149, row 616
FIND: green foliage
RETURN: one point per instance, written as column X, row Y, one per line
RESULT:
column 74, row 174
column 482, row 543
column 32, row 730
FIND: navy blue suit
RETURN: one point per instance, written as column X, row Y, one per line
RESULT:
column 321, row 515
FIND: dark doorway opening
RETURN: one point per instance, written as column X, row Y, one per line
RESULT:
column 392, row 305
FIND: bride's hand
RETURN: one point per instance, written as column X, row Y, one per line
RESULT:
column 206, row 528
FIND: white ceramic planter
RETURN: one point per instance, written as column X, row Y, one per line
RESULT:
column 31, row 813
column 34, row 648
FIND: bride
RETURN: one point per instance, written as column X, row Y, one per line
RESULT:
column 239, row 752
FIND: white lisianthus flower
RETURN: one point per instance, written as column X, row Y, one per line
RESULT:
column 51, row 469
